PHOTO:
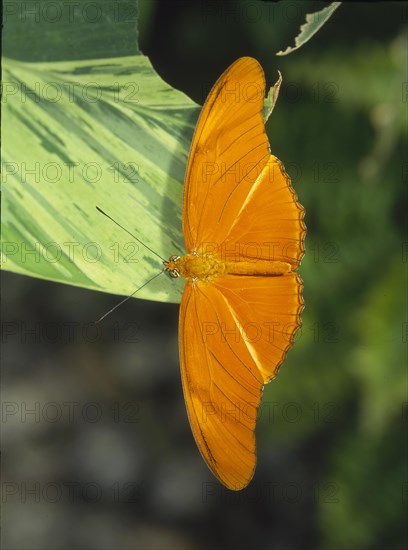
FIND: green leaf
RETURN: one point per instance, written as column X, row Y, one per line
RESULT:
column 107, row 133
column 314, row 22
column 271, row 98
column 88, row 122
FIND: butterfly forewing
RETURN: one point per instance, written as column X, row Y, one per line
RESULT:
column 228, row 151
column 222, row 385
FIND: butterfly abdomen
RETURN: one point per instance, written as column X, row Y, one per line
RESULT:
column 258, row 267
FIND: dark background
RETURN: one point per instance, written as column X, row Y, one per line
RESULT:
column 105, row 459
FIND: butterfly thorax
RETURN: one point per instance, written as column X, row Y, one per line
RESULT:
column 205, row 267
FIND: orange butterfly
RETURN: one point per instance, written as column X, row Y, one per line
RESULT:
column 244, row 231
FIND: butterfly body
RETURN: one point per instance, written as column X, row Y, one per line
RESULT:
column 205, row 267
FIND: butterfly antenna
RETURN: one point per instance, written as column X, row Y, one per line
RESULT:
column 140, row 287
column 127, row 298
column 131, row 234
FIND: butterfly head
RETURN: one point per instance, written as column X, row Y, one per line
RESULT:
column 171, row 267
